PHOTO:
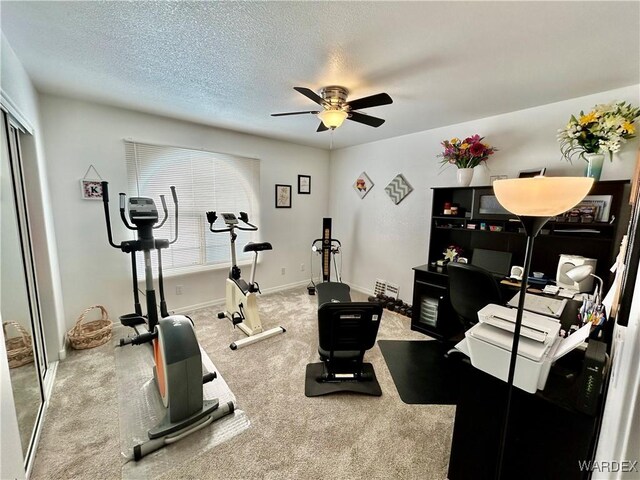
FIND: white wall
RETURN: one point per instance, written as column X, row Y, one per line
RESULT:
column 18, row 92
column 20, row 97
column 383, row 240
column 79, row 133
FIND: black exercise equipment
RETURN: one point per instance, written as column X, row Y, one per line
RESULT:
column 328, row 248
column 346, row 331
column 178, row 371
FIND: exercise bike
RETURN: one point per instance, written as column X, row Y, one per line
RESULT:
column 241, row 299
column 177, row 370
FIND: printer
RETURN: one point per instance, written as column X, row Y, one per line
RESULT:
column 489, row 342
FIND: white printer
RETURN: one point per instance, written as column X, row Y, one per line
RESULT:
column 489, row 342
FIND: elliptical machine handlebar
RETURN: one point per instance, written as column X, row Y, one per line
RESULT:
column 123, row 199
column 105, row 204
column 175, row 202
column 123, row 216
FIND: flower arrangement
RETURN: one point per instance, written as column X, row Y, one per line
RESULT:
column 452, row 252
column 467, row 153
column 604, row 129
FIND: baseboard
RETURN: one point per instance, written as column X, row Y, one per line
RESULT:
column 360, row 289
column 218, row 301
column 288, row 286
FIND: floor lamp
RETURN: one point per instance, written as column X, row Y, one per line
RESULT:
column 534, row 201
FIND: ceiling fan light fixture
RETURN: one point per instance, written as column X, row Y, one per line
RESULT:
column 333, row 118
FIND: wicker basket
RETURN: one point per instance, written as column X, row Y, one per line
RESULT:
column 90, row 334
column 19, row 349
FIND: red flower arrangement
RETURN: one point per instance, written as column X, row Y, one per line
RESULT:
column 467, row 153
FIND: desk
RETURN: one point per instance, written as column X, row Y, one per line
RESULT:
column 433, row 314
column 546, row 439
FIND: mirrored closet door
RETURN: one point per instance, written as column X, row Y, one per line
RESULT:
column 19, row 304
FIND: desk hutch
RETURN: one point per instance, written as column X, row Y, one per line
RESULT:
column 599, row 239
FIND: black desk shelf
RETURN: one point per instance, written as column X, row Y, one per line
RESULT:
column 553, row 241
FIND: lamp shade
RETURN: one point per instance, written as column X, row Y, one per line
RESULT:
column 541, row 196
column 332, row 118
column 579, row 273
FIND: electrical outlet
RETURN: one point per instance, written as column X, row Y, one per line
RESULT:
column 283, row 271
column 302, row 267
column 179, row 289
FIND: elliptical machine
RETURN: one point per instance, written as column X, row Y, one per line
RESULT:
column 177, row 370
column 241, row 300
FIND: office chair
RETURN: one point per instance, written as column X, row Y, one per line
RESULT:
column 346, row 330
column 470, row 289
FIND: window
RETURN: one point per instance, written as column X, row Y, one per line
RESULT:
column 204, row 181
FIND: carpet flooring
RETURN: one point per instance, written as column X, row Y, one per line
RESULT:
column 342, row 436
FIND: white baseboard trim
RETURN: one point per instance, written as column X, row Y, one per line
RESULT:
column 360, row 289
column 217, row 301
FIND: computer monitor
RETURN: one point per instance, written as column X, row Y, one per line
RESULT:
column 495, row 261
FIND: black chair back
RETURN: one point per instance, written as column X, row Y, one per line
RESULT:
column 470, row 289
column 348, row 327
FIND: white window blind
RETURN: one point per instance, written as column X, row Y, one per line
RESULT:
column 204, row 181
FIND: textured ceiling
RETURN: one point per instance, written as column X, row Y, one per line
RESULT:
column 231, row 64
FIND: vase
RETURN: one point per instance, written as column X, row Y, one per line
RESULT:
column 465, row 175
column 594, row 165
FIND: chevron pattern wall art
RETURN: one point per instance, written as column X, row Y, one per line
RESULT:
column 398, row 189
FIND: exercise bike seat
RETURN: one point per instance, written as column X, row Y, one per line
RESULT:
column 257, row 247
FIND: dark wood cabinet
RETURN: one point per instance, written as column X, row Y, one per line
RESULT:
column 432, row 311
column 546, row 438
column 502, row 231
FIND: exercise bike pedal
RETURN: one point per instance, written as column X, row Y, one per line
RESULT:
column 221, row 315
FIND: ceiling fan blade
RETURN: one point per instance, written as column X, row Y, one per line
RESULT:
column 310, row 94
column 292, row 113
column 371, row 101
column 322, row 127
column 366, row 119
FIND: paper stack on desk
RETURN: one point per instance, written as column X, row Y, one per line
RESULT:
column 538, row 304
column 489, row 342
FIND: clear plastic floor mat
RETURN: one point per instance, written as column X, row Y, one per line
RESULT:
column 140, row 408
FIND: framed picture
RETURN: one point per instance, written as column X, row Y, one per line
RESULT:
column 398, row 189
column 283, row 196
column 363, row 185
column 593, row 208
column 536, row 172
column 91, row 189
column 304, row 184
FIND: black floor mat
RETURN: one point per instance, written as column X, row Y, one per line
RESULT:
column 420, row 371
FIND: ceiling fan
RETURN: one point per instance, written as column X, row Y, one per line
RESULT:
column 336, row 109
